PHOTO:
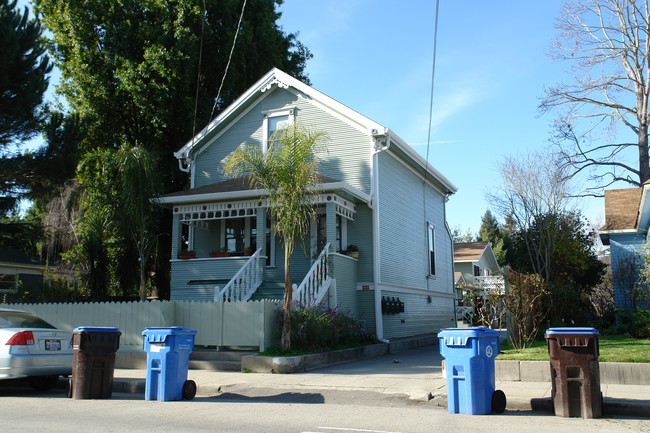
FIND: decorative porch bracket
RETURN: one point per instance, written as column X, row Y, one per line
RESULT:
column 313, row 288
column 242, row 286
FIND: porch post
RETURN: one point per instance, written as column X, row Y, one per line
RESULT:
column 176, row 235
column 330, row 219
column 261, row 229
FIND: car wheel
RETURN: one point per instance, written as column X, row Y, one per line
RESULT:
column 44, row 383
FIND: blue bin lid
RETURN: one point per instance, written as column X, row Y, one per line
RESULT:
column 569, row 330
column 460, row 336
column 477, row 331
column 164, row 331
column 96, row 329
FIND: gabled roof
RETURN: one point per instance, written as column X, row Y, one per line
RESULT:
column 469, row 251
column 276, row 77
column 622, row 209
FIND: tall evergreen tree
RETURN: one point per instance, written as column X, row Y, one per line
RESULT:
column 23, row 82
column 491, row 231
column 146, row 73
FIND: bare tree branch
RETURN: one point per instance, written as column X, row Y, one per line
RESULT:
column 607, row 44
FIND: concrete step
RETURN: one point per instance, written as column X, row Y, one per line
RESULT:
column 200, row 359
column 214, row 355
column 215, row 365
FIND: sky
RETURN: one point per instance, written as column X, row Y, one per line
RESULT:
column 376, row 56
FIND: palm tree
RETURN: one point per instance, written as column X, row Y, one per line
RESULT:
column 288, row 173
column 140, row 186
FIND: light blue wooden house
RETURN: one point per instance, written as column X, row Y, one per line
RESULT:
column 376, row 193
column 627, row 220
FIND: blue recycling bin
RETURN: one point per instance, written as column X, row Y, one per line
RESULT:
column 469, row 355
column 168, row 356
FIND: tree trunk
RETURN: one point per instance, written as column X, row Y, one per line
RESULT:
column 143, row 285
column 288, row 296
column 644, row 161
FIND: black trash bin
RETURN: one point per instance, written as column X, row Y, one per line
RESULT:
column 93, row 361
column 575, row 373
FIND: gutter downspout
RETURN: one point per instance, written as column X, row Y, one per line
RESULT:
column 453, row 269
column 374, row 205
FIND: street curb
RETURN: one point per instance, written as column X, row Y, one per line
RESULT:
column 611, row 406
column 301, row 363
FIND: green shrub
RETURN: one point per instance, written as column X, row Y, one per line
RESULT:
column 634, row 323
column 319, row 329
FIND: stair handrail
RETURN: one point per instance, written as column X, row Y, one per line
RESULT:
column 314, row 286
column 241, row 287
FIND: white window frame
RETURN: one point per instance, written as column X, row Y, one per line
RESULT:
column 431, row 249
column 290, row 112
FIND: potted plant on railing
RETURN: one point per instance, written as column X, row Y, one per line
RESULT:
column 223, row 252
column 248, row 251
column 352, row 251
column 185, row 254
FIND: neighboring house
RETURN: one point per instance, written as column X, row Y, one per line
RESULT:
column 376, row 193
column 473, row 260
column 475, row 266
column 627, row 219
column 21, row 273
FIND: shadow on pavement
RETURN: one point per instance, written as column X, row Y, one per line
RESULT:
column 287, row 397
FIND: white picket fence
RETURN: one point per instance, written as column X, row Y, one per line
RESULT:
column 241, row 324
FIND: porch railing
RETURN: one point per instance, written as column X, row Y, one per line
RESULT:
column 242, row 286
column 491, row 284
column 313, row 288
column 465, row 313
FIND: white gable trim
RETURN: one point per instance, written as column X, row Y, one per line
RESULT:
column 229, row 125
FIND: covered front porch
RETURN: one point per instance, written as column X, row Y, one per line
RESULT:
column 223, row 247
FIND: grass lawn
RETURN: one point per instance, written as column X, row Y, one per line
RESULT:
column 613, row 348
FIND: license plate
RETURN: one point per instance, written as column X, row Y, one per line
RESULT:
column 52, row 344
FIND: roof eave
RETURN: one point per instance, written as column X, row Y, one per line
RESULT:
column 451, row 188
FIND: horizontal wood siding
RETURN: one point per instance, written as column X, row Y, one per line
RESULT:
column 420, row 316
column 348, row 151
column 366, row 305
column 344, row 270
column 403, row 217
column 360, row 234
column 184, row 271
column 247, row 131
column 236, row 324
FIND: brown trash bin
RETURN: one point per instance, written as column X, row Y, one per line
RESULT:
column 575, row 373
column 93, row 361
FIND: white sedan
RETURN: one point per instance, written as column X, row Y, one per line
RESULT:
column 32, row 348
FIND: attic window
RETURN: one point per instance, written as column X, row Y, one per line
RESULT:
column 275, row 120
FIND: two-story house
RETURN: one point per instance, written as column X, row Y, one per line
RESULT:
column 376, row 193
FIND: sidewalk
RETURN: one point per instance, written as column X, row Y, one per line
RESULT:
column 415, row 374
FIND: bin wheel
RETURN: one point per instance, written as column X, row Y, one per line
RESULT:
column 189, row 390
column 498, row 401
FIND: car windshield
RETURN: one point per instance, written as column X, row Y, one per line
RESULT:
column 18, row 319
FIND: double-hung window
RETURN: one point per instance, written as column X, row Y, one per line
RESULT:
column 274, row 121
column 431, row 243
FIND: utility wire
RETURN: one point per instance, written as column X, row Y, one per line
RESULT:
column 198, row 74
column 216, row 100
column 433, row 76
